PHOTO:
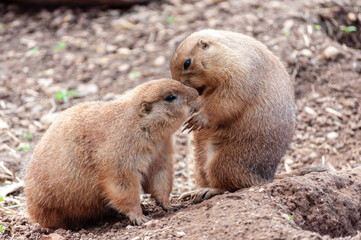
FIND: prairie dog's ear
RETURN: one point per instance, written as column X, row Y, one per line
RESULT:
column 145, row 109
column 203, row 44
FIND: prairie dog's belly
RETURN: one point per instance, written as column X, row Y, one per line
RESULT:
column 211, row 151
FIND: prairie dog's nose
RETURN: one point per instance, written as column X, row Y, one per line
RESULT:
column 192, row 96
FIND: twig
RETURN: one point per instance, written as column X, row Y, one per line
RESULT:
column 53, row 105
column 11, row 135
column 8, row 211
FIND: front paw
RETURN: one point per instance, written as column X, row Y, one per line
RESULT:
column 138, row 219
column 197, row 121
column 199, row 195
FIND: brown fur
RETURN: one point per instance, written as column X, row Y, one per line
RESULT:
column 100, row 154
column 246, row 107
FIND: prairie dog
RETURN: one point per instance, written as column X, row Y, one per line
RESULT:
column 246, row 116
column 98, row 155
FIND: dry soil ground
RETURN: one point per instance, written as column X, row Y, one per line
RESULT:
column 101, row 52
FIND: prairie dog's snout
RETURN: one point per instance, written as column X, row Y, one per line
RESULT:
column 192, row 97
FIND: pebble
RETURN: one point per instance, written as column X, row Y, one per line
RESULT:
column 49, row 118
column 124, row 67
column 3, row 124
column 124, row 51
column 87, row 89
column 136, row 238
column 111, row 48
column 310, row 111
column 306, row 53
column 150, row 224
column 333, row 112
column 129, row 227
column 45, row 82
column 330, row 52
column 288, row 24
column 159, row 61
column 352, row 17
column 52, row 236
column 332, row 135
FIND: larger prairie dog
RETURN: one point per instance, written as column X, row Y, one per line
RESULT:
column 98, row 155
column 246, row 115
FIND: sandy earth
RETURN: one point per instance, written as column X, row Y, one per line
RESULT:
column 101, row 52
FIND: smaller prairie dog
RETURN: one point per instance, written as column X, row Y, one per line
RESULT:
column 97, row 156
column 246, row 116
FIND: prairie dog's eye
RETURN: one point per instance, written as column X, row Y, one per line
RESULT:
column 170, row 98
column 187, row 63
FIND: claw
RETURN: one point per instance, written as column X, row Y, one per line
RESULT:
column 202, row 126
column 201, row 194
column 185, row 128
column 193, row 128
column 187, row 122
column 139, row 220
column 186, row 195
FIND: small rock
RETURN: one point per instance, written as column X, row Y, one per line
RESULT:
column 150, row 224
column 45, row 82
column 146, row 238
column 87, row 89
column 123, row 24
column 332, row 135
column 124, row 67
column 49, row 118
column 352, row 17
column 124, row 51
column 310, row 111
column 180, row 234
column 159, row 61
column 129, row 227
column 330, row 52
column 36, row 109
column 150, row 47
column 28, row 42
column 334, row 112
column 287, row 25
column 52, row 236
column 3, row 124
column 111, row 48
column 136, row 238
column 306, row 53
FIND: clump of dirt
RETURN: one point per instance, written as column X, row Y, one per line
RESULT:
column 342, row 23
column 327, row 204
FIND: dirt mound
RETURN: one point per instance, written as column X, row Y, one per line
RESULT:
column 325, row 203
column 315, row 206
